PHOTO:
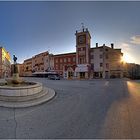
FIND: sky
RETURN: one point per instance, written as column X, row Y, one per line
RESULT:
column 28, row 28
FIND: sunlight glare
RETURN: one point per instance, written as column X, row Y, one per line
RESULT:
column 127, row 58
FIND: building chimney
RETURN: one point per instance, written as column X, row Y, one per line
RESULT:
column 112, row 45
column 96, row 45
column 103, row 45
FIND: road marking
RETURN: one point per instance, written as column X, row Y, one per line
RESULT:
column 107, row 83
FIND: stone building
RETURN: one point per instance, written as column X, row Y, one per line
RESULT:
column 38, row 62
column 5, row 63
column 97, row 62
column 42, row 62
column 27, row 67
column 21, row 69
column 132, row 70
column 64, row 64
column 106, row 62
column 83, row 54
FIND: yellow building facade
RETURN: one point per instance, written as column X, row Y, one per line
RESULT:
column 5, row 63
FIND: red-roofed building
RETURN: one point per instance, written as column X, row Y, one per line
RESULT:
column 64, row 64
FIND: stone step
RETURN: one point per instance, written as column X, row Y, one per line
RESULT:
column 48, row 95
column 24, row 98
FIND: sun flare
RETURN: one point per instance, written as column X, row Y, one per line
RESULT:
column 127, row 58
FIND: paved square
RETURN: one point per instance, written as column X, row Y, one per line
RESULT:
column 81, row 109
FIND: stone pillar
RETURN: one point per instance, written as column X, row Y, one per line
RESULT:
column 15, row 74
column 104, row 75
column 86, row 75
column 78, row 75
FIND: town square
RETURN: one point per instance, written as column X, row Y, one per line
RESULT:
column 69, row 70
column 81, row 109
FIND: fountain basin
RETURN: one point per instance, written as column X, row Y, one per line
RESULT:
column 24, row 95
column 21, row 90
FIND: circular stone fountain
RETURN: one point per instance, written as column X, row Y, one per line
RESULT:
column 16, row 92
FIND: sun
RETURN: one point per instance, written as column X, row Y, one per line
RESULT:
column 127, row 58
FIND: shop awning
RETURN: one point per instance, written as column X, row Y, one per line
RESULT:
column 82, row 68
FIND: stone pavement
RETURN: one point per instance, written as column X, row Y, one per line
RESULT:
column 81, row 109
column 44, row 96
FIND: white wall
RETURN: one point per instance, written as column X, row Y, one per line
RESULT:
column 97, row 60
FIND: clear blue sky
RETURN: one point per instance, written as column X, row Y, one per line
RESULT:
column 28, row 28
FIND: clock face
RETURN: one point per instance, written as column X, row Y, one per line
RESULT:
column 81, row 39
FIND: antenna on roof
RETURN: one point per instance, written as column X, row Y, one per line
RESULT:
column 82, row 26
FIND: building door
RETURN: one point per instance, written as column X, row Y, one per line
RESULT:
column 101, row 75
column 106, row 74
column 70, row 74
column 82, row 75
column 96, row 74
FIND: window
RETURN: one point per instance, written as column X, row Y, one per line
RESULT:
column 56, row 60
column 92, row 56
column 56, row 67
column 61, row 66
column 106, row 49
column 81, row 60
column 101, row 64
column 65, row 60
column 119, row 66
column 107, row 65
column 73, row 59
column 61, row 60
column 101, row 49
column 106, row 56
column 68, row 59
column 101, row 56
column 92, row 66
column 81, row 52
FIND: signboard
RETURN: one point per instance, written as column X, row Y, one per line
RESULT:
column 82, row 68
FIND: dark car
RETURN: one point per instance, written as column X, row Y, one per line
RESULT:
column 54, row 77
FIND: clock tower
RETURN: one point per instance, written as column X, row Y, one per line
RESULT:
column 83, row 52
column 83, row 46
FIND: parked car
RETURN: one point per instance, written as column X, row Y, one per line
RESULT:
column 54, row 77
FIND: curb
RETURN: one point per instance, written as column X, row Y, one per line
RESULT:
column 49, row 94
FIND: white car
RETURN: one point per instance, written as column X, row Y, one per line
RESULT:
column 54, row 77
